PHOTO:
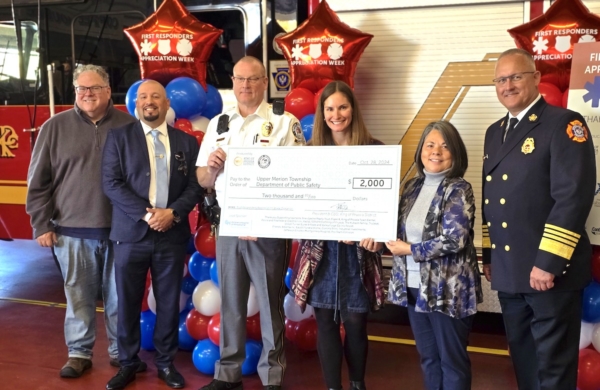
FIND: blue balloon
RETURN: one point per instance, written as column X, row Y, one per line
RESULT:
column 147, row 323
column 253, row 350
column 131, row 96
column 214, row 273
column 199, row 267
column 307, row 124
column 214, row 103
column 188, row 284
column 591, row 303
column 187, row 97
column 189, row 304
column 186, row 342
column 288, row 278
column 205, row 355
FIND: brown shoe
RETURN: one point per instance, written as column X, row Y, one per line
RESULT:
column 74, row 367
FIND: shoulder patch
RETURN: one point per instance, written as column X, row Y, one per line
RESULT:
column 577, row 131
column 297, row 130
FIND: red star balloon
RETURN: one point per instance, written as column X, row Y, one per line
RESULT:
column 323, row 49
column 550, row 37
column 172, row 43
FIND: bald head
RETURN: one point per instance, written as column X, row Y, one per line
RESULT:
column 250, row 61
column 152, row 103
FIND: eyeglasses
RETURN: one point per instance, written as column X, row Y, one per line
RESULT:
column 180, row 157
column 94, row 89
column 250, row 80
column 515, row 78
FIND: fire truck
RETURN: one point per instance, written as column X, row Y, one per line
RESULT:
column 42, row 41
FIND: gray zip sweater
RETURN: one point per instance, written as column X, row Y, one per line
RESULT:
column 64, row 184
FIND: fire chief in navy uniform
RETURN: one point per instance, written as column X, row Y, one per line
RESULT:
column 538, row 188
column 148, row 173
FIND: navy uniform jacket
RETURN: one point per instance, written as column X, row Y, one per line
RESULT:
column 126, row 181
column 538, row 189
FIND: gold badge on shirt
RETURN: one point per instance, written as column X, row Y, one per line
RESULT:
column 532, row 118
column 528, row 146
column 267, row 129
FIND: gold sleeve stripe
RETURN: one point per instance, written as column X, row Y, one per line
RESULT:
column 558, row 230
column 564, row 240
column 486, row 243
column 556, row 248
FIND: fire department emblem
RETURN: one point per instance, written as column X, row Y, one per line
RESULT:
column 577, row 131
column 532, row 118
column 267, row 129
column 528, row 146
column 164, row 46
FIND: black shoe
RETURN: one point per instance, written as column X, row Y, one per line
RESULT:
column 125, row 376
column 360, row 385
column 222, row 385
column 272, row 387
column 115, row 363
column 171, row 377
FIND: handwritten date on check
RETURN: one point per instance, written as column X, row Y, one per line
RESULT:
column 315, row 192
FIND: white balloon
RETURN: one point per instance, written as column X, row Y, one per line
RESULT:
column 585, row 337
column 252, row 301
column 199, row 123
column 595, row 335
column 207, row 298
column 292, row 309
column 152, row 300
column 170, row 117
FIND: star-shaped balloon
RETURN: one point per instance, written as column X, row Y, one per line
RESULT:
column 550, row 37
column 172, row 43
column 323, row 49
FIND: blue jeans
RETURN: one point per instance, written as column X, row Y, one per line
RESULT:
column 442, row 345
column 87, row 265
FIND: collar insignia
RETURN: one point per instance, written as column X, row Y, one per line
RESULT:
column 532, row 118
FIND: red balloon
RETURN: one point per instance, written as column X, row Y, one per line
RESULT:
column 565, row 99
column 205, row 241
column 322, row 49
column 194, row 219
column 596, row 262
column 299, row 102
column 317, row 97
column 550, row 37
column 290, row 329
column 551, row 94
column 253, row 328
column 306, row 334
column 214, row 328
column 343, row 333
column 293, row 253
column 588, row 373
column 172, row 43
column 184, row 125
column 197, row 325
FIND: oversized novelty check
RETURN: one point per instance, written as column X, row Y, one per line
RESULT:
column 315, row 192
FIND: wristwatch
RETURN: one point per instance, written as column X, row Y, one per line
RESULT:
column 176, row 217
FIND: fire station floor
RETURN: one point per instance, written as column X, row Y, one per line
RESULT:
column 32, row 348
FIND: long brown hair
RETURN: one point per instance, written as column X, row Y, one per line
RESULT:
column 321, row 134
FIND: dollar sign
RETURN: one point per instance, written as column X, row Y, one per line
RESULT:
column 348, row 181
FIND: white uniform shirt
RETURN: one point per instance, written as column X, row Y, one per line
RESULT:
column 254, row 130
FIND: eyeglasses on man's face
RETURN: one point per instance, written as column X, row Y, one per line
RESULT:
column 515, row 78
column 83, row 90
column 242, row 80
